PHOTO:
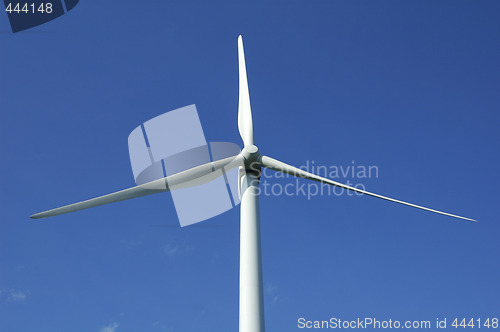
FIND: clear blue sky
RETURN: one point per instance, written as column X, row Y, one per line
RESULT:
column 409, row 86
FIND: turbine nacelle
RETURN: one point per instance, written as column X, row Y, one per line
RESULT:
column 251, row 157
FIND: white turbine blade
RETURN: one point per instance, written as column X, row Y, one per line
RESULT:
column 291, row 170
column 122, row 195
column 189, row 178
column 245, row 122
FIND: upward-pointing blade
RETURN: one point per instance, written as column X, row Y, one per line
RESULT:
column 245, row 122
column 291, row 170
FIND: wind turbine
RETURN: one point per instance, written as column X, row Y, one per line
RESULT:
column 251, row 306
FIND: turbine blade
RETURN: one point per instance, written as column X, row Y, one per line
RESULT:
column 121, row 195
column 291, row 170
column 189, row 178
column 245, row 122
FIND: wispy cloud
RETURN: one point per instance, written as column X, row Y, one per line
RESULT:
column 131, row 244
column 14, row 295
column 170, row 249
column 162, row 327
column 110, row 328
column 18, row 295
column 174, row 247
column 22, row 266
column 272, row 290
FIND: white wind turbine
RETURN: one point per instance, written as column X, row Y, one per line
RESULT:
column 251, row 308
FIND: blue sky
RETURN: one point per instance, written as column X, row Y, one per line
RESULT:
column 411, row 87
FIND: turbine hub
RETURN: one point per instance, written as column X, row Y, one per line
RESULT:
column 252, row 156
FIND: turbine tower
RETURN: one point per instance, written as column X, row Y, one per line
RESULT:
column 251, row 304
